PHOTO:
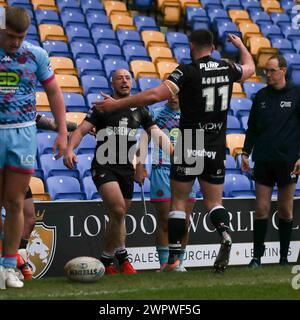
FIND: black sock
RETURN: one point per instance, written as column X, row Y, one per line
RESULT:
column 106, row 260
column 23, row 244
column 285, row 231
column 176, row 231
column 220, row 219
column 259, row 234
column 122, row 255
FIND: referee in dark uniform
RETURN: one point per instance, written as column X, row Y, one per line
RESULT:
column 273, row 138
column 204, row 88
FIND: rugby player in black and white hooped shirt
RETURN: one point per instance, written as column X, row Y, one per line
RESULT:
column 204, row 88
column 114, row 177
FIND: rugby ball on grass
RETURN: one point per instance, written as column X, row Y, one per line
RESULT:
column 84, row 269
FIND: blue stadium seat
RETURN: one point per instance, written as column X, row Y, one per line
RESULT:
column 135, row 52
column 95, row 84
column 97, row 20
column 90, row 189
column 233, row 125
column 145, row 23
column 87, row 145
column 75, row 102
column 47, row 16
column 284, row 45
column 182, row 54
column 148, row 82
column 89, row 66
column 244, row 121
column 260, row 16
column 296, row 45
column 57, row 48
column 52, row 167
column 232, row 4
column 292, row 59
column 83, row 49
column 279, row 17
column 68, row 4
column 207, row 4
column 196, row 14
column 240, row 106
column 129, row 37
column 91, row 5
column 283, row 25
column 272, row 31
column 22, row 3
column 135, row 86
column 64, row 188
column 78, row 33
column 176, row 39
column 295, row 74
column 114, row 64
column 38, row 172
column 143, row 4
column 290, row 33
column 216, row 55
column 104, row 35
column 109, row 51
column 223, row 28
column 200, row 25
column 287, row 5
column 251, row 88
column 252, row 5
column 92, row 97
column 45, row 142
column 84, row 164
column 72, row 17
column 231, row 166
column 14, row 2
column 32, row 33
column 217, row 14
column 237, row 185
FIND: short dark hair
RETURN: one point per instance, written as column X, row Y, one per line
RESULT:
column 17, row 19
column 202, row 38
column 281, row 60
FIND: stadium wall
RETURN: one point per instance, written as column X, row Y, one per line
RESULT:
column 65, row 230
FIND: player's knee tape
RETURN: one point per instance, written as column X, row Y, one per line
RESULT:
column 176, row 226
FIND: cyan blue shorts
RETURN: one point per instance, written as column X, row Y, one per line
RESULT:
column 160, row 185
column 18, row 149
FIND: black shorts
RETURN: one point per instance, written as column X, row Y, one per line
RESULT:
column 213, row 170
column 271, row 173
column 28, row 194
column 123, row 174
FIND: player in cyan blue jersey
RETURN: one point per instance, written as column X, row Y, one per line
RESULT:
column 22, row 65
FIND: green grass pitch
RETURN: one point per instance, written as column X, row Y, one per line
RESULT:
column 268, row 282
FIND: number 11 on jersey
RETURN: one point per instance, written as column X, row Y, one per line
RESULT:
column 209, row 93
